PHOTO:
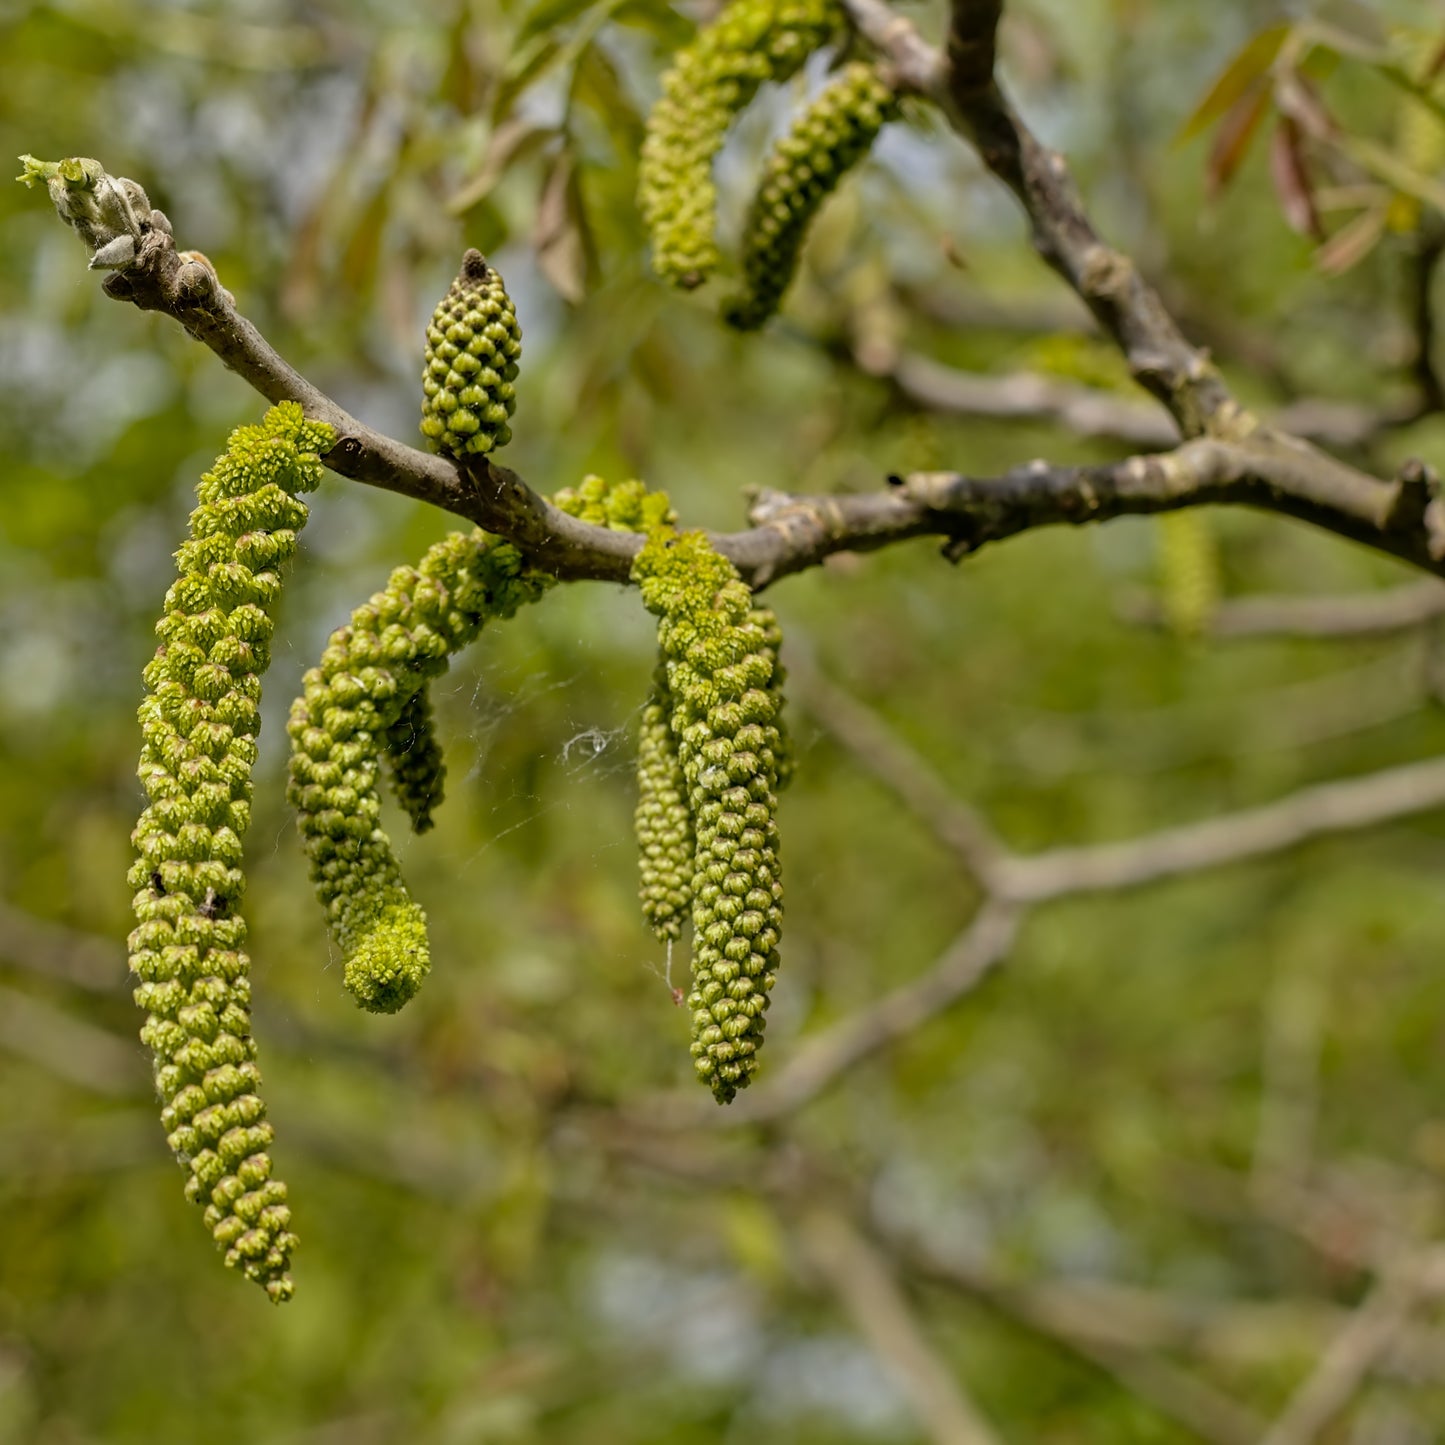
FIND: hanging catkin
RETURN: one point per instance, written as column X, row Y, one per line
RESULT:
column 719, row 668
column 349, row 714
column 1189, row 568
column 199, row 722
column 831, row 136
column 711, row 80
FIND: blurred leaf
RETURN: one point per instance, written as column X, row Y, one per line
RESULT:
column 358, row 260
column 1238, row 79
column 1232, row 141
column 545, row 16
column 598, row 84
column 561, row 236
column 1290, row 174
column 1300, row 101
column 527, row 63
column 1386, row 166
column 1353, row 242
column 509, row 143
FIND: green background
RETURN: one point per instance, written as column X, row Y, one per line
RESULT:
column 499, row 1241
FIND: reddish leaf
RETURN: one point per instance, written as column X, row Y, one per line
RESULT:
column 1291, row 177
column 1352, row 243
column 1232, row 141
column 1297, row 98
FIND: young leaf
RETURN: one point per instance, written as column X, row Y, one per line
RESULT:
column 1292, row 185
column 1239, row 78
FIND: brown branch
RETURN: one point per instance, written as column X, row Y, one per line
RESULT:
column 1309, row 813
column 866, row 1287
column 1094, row 412
column 1424, row 264
column 898, row 766
column 1355, row 1351
column 825, row 1057
column 1259, row 468
column 1365, row 614
column 1118, row 1331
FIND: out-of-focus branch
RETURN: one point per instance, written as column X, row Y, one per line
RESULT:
column 1314, row 812
column 898, row 766
column 1103, row 1327
column 1358, row 1347
column 1093, row 412
column 1366, row 614
column 1424, row 265
column 68, row 1046
column 1014, row 882
column 881, row 1313
column 818, row 1061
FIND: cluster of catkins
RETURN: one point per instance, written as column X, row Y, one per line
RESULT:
column 712, row 80
column 199, row 721
column 710, row 763
column 365, row 703
column 707, row 814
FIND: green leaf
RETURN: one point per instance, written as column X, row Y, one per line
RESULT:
column 1235, row 81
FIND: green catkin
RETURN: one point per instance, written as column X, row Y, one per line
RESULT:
column 418, row 773
column 831, row 136
column 662, row 822
column 719, row 668
column 473, row 348
column 346, row 719
column 1188, row 571
column 710, row 82
column 199, row 721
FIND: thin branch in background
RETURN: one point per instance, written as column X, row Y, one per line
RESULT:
column 1083, row 1321
column 1365, row 614
column 1358, row 1347
column 1313, row 812
column 881, row 1313
column 83, row 960
column 71, row 1048
column 1093, row 412
column 823, row 1058
column 1294, row 1028
column 898, row 766
column 1423, row 267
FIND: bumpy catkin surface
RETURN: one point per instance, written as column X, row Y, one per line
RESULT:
column 719, row 670
column 827, row 140
column 348, row 716
column 473, row 348
column 199, row 722
column 711, row 80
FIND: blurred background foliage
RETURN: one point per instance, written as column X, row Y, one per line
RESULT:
column 496, row 1247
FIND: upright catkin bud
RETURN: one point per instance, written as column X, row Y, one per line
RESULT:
column 831, row 136
column 350, row 714
column 710, row 82
column 1189, row 569
column 719, row 668
column 473, row 347
column 199, row 722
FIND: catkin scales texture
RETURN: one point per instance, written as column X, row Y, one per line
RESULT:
column 358, row 706
column 719, row 672
column 711, row 80
column 831, row 136
column 473, row 348
column 199, row 721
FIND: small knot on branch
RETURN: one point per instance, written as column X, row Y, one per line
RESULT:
column 1417, row 485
